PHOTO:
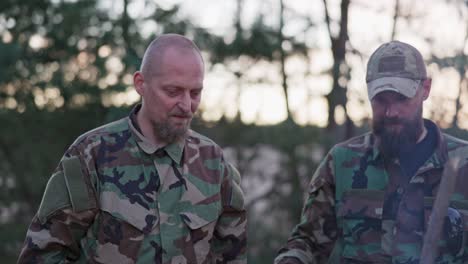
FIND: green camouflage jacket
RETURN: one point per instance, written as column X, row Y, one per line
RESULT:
column 116, row 198
column 360, row 209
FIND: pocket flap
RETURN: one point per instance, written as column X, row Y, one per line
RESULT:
column 136, row 215
column 196, row 220
column 361, row 203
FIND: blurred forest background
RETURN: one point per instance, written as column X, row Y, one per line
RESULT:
column 285, row 81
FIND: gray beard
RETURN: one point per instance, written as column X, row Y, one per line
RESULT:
column 169, row 134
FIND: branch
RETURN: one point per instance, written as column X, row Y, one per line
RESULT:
column 284, row 76
column 327, row 19
column 395, row 18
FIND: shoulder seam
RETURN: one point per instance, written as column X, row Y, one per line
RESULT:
column 97, row 132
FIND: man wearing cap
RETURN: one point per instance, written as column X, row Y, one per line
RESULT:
column 370, row 199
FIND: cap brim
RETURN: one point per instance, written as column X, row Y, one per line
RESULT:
column 404, row 86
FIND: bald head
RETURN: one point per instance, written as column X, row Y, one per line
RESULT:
column 170, row 83
column 152, row 60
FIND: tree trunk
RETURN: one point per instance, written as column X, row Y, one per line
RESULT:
column 337, row 95
column 238, row 73
column 283, row 61
column 125, row 23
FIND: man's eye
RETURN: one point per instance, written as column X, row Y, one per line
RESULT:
column 172, row 92
column 402, row 98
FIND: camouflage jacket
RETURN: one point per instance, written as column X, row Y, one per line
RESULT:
column 116, row 198
column 361, row 209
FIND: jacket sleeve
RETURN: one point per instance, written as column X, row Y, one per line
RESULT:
column 230, row 239
column 66, row 211
column 313, row 239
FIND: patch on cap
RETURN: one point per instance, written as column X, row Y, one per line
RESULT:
column 391, row 64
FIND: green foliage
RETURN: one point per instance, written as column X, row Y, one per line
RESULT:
column 258, row 42
column 52, row 66
column 55, row 64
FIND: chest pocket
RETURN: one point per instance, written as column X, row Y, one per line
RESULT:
column 201, row 223
column 360, row 217
column 119, row 230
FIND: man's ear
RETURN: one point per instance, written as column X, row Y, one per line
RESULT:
column 138, row 82
column 427, row 83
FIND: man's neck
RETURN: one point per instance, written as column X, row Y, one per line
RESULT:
column 146, row 128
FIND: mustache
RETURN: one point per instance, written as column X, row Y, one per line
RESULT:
column 392, row 121
column 180, row 113
column 379, row 126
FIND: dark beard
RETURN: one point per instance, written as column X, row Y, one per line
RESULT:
column 391, row 144
column 169, row 134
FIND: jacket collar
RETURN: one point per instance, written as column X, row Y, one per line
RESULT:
column 174, row 150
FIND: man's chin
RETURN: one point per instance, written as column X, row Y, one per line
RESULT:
column 180, row 130
column 172, row 132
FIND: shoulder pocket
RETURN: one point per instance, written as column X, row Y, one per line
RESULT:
column 65, row 188
column 75, row 182
column 55, row 197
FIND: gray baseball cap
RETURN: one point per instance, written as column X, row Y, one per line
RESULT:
column 395, row 66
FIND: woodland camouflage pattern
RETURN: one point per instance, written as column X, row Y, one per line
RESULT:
column 135, row 203
column 360, row 210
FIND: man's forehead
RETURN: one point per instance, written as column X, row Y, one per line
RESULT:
column 172, row 53
column 183, row 61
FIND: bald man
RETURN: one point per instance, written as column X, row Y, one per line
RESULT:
column 145, row 188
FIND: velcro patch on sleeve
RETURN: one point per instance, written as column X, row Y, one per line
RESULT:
column 76, row 186
column 55, row 197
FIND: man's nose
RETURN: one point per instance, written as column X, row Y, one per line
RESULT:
column 185, row 102
column 391, row 111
